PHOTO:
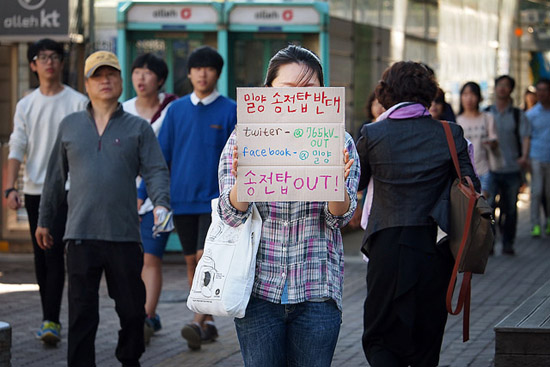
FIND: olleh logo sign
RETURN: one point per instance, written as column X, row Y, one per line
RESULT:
column 34, row 18
column 46, row 20
column 185, row 13
column 31, row 4
column 286, row 15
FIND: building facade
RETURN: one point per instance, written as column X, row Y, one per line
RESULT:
column 357, row 40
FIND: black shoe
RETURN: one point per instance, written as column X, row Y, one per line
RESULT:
column 508, row 251
column 209, row 333
column 192, row 333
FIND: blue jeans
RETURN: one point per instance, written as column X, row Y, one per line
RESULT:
column 303, row 334
column 507, row 186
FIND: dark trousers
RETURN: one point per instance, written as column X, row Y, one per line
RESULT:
column 404, row 312
column 192, row 230
column 49, row 265
column 506, row 185
column 122, row 263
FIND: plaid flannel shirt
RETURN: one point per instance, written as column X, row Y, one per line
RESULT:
column 301, row 244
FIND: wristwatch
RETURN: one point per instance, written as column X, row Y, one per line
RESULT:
column 8, row 191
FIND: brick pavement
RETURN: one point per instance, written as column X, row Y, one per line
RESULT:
column 507, row 282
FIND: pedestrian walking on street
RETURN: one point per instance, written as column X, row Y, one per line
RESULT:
column 294, row 314
column 37, row 118
column 437, row 108
column 511, row 158
column 192, row 136
column 149, row 73
column 447, row 113
column 407, row 156
column 373, row 110
column 539, row 118
column 479, row 129
column 529, row 98
column 103, row 149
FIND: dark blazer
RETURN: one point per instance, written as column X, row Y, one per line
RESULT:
column 412, row 171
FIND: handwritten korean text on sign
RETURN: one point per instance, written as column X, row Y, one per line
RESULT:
column 290, row 144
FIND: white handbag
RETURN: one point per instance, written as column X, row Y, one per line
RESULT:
column 225, row 273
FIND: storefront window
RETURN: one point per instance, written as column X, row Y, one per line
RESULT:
column 342, row 9
column 181, row 51
column 433, row 21
column 416, row 19
column 157, row 47
column 373, row 12
column 422, row 19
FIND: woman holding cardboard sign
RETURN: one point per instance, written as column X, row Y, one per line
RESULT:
column 294, row 314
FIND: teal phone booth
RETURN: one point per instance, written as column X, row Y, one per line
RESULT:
column 245, row 33
column 172, row 30
column 257, row 30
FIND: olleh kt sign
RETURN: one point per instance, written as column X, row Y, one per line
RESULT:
column 34, row 18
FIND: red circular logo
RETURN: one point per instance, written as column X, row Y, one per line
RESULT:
column 288, row 15
column 186, row 13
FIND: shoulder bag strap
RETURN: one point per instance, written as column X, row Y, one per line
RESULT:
column 465, row 288
column 516, row 130
column 452, row 147
column 168, row 98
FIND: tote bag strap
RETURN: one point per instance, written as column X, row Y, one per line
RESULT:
column 465, row 289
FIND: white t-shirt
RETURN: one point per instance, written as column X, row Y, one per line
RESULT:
column 477, row 130
column 130, row 107
column 37, row 118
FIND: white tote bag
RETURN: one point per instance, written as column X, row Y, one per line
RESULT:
column 225, row 273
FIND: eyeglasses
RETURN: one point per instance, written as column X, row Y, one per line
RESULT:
column 43, row 58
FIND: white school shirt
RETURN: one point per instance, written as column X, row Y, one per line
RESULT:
column 130, row 107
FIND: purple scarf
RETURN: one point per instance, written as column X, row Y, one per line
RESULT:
column 404, row 110
column 400, row 111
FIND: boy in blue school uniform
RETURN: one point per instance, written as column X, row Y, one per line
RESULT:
column 192, row 138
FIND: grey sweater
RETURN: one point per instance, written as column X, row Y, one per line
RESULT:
column 102, row 198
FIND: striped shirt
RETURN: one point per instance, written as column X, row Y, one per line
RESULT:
column 301, row 244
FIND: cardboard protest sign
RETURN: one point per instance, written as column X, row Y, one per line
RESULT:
column 320, row 104
column 290, row 143
column 292, row 183
column 294, row 144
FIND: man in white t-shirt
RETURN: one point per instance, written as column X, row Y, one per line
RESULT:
column 35, row 124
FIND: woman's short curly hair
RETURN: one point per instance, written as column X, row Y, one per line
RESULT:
column 406, row 81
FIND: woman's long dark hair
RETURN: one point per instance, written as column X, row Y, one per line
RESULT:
column 476, row 90
column 295, row 55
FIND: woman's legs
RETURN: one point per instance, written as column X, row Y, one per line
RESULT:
column 151, row 273
column 303, row 334
column 312, row 334
column 152, row 277
column 405, row 312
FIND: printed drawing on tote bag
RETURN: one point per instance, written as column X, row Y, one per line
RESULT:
column 225, row 273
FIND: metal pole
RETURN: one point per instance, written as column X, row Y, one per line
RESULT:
column 518, row 25
column 91, row 23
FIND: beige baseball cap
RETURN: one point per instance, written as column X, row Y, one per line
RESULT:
column 100, row 58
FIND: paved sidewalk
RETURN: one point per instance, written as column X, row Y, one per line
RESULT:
column 507, row 282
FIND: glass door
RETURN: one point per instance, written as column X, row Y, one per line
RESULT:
column 249, row 55
column 174, row 49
